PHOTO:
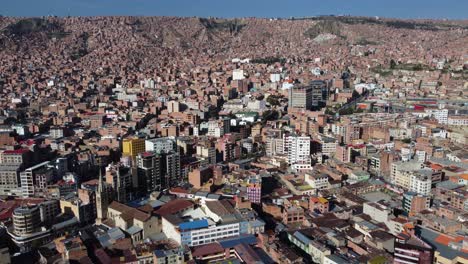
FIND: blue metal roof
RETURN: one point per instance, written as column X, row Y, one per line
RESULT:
column 160, row 253
column 138, row 203
column 430, row 237
column 115, row 233
column 234, row 241
column 305, row 240
column 134, row 229
column 196, row 224
column 258, row 223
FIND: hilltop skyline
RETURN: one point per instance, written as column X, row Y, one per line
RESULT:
column 418, row 9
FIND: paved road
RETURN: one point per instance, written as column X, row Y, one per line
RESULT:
column 353, row 102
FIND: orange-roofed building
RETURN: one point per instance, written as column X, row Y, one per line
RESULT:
column 464, row 177
column 446, row 240
column 319, row 204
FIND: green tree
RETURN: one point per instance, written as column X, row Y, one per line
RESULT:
column 392, row 64
column 273, row 100
column 355, row 94
column 406, row 140
column 270, row 115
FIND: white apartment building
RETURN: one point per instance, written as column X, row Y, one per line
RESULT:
column 173, row 106
column 27, row 176
column 398, row 173
column 160, row 145
column 56, row 132
column 275, row 77
column 215, row 129
column 377, row 211
column 328, row 145
column 338, row 129
column 198, row 232
column 406, row 154
column 420, row 156
column 458, row 121
column 440, row 114
column 274, row 146
column 421, row 184
column 238, row 74
column 208, row 152
column 123, row 96
column 318, row 182
column 297, row 149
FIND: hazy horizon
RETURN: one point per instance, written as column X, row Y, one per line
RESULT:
column 413, row 9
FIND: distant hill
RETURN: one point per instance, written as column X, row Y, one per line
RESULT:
column 86, row 38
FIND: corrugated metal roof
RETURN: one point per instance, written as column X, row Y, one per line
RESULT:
column 196, row 224
column 305, row 240
column 232, row 242
column 134, row 229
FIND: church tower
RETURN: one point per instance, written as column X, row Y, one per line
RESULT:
column 102, row 199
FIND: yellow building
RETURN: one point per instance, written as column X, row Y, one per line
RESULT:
column 441, row 259
column 70, row 207
column 132, row 146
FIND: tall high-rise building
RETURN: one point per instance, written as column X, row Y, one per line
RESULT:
column 297, row 149
column 102, row 199
column 342, row 153
column 231, row 151
column 300, row 97
column 120, row 179
column 414, row 203
column 149, row 172
column 352, row 132
column 254, row 189
column 171, row 169
column 26, row 220
column 274, row 146
column 309, row 96
column 9, row 183
column 207, row 150
column 172, row 106
column 320, row 93
column 420, row 183
column 409, row 249
column 160, row 145
column 132, row 146
column 30, row 183
column 11, row 163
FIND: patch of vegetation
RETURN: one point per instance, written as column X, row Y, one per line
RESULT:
column 58, row 35
column 399, row 24
column 380, row 70
column 365, row 42
column 269, row 60
column 27, row 26
column 234, row 26
column 410, row 25
column 329, row 111
column 402, row 66
column 274, row 100
column 83, row 49
column 323, row 27
column 409, row 66
column 270, row 115
column 350, row 111
column 406, row 140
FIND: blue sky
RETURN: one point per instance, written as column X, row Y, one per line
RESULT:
column 454, row 9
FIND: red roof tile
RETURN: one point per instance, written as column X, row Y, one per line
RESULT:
column 173, row 207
